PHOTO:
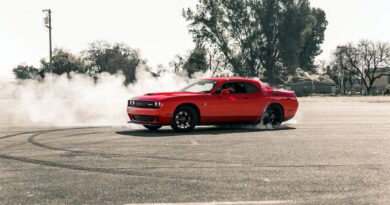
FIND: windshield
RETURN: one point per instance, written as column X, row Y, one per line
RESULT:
column 204, row 86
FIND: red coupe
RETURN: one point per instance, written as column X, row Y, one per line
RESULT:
column 214, row 101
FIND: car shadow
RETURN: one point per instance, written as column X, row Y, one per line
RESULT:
column 198, row 131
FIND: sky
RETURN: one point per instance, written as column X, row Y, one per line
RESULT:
column 156, row 27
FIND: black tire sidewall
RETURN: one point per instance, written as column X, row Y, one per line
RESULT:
column 194, row 118
column 280, row 111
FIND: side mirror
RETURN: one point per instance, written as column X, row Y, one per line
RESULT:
column 225, row 91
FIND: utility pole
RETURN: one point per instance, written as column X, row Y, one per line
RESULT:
column 47, row 21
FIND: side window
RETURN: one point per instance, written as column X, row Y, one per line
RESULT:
column 223, row 86
column 234, row 88
column 239, row 88
column 250, row 88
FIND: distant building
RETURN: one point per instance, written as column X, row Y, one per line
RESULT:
column 304, row 83
column 380, row 86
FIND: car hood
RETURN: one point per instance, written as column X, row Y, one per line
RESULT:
column 165, row 95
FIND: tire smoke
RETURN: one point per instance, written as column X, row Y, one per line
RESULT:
column 78, row 100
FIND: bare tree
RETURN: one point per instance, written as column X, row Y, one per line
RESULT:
column 216, row 61
column 368, row 61
column 177, row 63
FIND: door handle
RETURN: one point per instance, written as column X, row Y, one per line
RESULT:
column 247, row 98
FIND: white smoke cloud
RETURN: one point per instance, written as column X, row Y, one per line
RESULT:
column 78, row 101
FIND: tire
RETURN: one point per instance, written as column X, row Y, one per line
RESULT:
column 273, row 115
column 152, row 127
column 184, row 119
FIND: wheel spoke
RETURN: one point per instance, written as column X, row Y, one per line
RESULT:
column 183, row 120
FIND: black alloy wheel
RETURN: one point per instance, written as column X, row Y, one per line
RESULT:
column 273, row 115
column 152, row 127
column 184, row 119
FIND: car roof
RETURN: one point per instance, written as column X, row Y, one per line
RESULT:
column 233, row 79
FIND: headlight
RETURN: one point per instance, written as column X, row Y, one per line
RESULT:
column 157, row 104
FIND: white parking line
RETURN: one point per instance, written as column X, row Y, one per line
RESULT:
column 222, row 203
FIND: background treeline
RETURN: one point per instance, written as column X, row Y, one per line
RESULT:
column 268, row 39
column 262, row 38
column 360, row 64
column 101, row 56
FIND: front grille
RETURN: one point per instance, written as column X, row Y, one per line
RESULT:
column 143, row 118
column 143, row 104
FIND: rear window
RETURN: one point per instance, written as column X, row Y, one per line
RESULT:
column 250, row 88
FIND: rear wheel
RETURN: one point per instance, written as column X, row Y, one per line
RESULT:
column 184, row 119
column 273, row 115
column 152, row 127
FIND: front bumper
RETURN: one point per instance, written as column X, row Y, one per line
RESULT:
column 148, row 116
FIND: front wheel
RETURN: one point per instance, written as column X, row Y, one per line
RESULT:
column 152, row 127
column 184, row 119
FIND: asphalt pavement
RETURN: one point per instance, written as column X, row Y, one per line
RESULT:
column 336, row 151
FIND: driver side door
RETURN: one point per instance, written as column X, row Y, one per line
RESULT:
column 232, row 107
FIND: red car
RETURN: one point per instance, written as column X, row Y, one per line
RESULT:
column 214, row 101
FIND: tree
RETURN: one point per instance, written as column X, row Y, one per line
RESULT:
column 314, row 37
column 177, row 63
column 368, row 61
column 113, row 58
column 301, row 32
column 332, row 72
column 24, row 72
column 64, row 62
column 225, row 24
column 257, row 37
column 267, row 14
column 293, row 22
column 196, row 61
column 216, row 62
